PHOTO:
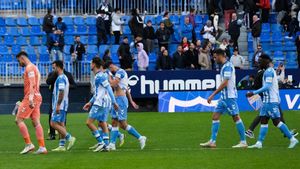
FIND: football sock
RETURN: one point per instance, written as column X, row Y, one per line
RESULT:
column 62, row 142
column 285, row 130
column 241, row 129
column 114, row 134
column 214, row 130
column 263, row 132
column 24, row 132
column 96, row 134
column 131, row 130
column 40, row 135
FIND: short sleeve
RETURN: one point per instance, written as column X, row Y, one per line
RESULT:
column 268, row 76
column 120, row 75
column 103, row 81
column 30, row 72
column 61, row 84
column 227, row 72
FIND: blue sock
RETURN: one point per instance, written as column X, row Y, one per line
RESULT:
column 96, row 134
column 100, row 132
column 105, row 139
column 119, row 134
column 241, row 129
column 262, row 132
column 214, row 130
column 68, row 136
column 114, row 134
column 62, row 142
column 285, row 130
column 109, row 126
column 131, row 130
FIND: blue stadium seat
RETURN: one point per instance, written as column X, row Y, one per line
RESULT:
column 174, row 19
column 92, row 30
column 78, row 20
column 13, row 31
column 32, row 58
column 10, row 21
column 6, row 58
column 41, row 20
column 67, row 57
column 172, row 49
column 250, row 38
column 292, row 65
column 266, row 27
column 3, row 50
column 70, row 30
column 30, row 50
column 278, row 55
column 67, row 49
column 92, row 49
column 152, row 57
column 90, row 20
column 265, row 37
column 89, row 57
column 198, row 19
column 114, row 49
column 151, row 18
column 102, row 49
column 126, row 19
column 69, row 40
column 268, row 52
column 84, row 39
column 92, row 40
column 81, row 30
column 22, row 41
column 44, row 58
column 15, row 49
column 277, row 46
column 2, row 21
column 290, row 46
column 159, row 18
column 291, row 56
column 276, row 28
column 25, row 31
column 205, row 18
column 115, row 58
column 68, row 20
column 265, row 46
column 33, row 21
column 35, row 41
column 44, row 40
column 277, row 36
column 9, row 40
column 36, row 30
column 2, row 31
column 21, row 21
column 126, row 30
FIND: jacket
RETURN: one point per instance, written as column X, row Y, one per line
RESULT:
column 149, row 33
column 125, row 56
column 164, row 63
column 61, row 26
column 163, row 36
column 55, row 38
column 136, row 25
column 256, row 29
column 203, row 61
column 79, row 49
column 100, row 25
column 48, row 25
column 234, row 28
column 178, row 60
column 187, row 31
column 191, row 57
column 143, row 59
column 229, row 4
column 116, row 22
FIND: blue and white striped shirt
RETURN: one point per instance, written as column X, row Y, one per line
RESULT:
column 228, row 73
column 61, row 84
column 271, row 95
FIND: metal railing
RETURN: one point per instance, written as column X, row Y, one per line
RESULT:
column 81, row 7
column 12, row 73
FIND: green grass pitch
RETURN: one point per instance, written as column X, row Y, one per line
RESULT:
column 173, row 143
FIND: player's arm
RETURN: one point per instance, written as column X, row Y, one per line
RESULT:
column 128, row 94
column 107, row 86
column 31, row 77
column 268, row 83
column 219, row 89
column 61, row 94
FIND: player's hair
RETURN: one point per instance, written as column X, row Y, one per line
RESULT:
column 22, row 53
column 98, row 62
column 108, row 63
column 220, row 51
column 59, row 19
column 59, row 63
column 266, row 57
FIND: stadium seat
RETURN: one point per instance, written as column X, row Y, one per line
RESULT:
column 277, row 46
column 78, row 20
column 126, row 19
column 21, row 40
column 33, row 58
column 265, row 37
column 81, row 30
column 198, row 19
column 35, row 41
column 15, row 49
column 30, row 50
column 13, row 31
column 278, row 55
column 67, row 49
column 266, row 27
column 91, row 20
column 268, row 52
column 102, row 49
column 159, row 18
column 70, row 30
column 126, row 30
column 10, row 21
column 265, row 46
column 151, row 18
column 4, row 50
column 174, row 19
column 44, row 40
column 2, row 21
column 291, row 56
column 92, row 49
column 276, row 28
column 277, row 36
column 6, row 58
column 152, row 57
column 25, row 31
column 21, row 21
column 250, row 38
column 36, row 30
column 115, row 58
column 290, row 46
column 68, row 20
column 69, row 40
column 2, row 31
column 67, row 57
column 44, row 58
column 292, row 65
column 9, row 40
column 92, row 40
column 33, row 21
column 89, row 57
column 92, row 30
column 41, row 20
column 84, row 40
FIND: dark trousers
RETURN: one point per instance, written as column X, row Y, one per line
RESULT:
column 298, row 58
column 107, row 26
column 265, row 15
column 77, row 69
column 235, row 41
column 117, row 35
column 52, row 130
column 101, row 37
column 293, row 27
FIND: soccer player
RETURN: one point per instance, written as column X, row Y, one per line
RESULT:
column 100, row 103
column 227, row 103
column 120, row 84
column 60, row 102
column 30, row 106
column 271, row 101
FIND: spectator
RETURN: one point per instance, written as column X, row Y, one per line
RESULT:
column 143, row 59
column 185, row 44
column 48, row 26
column 298, row 49
column 77, row 50
column 60, row 25
column 191, row 57
column 163, row 36
column 125, row 56
column 116, row 25
column 187, row 29
column 198, row 45
column 204, row 59
column 56, row 46
column 136, row 23
column 256, row 31
column 229, row 7
column 208, row 31
column 234, row 29
column 107, row 56
column 168, row 24
column 256, row 56
column 192, row 17
column 178, row 59
column 250, row 9
column 101, row 30
column 224, row 44
column 294, row 24
column 281, row 5
column 237, row 60
column 107, row 10
column 265, row 10
column 149, row 37
column 230, row 49
column 164, row 61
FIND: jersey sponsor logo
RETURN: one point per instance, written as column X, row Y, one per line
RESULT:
column 269, row 79
column 227, row 74
column 31, row 74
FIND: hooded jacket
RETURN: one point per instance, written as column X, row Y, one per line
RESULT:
column 143, row 59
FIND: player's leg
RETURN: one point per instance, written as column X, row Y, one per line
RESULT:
column 214, row 131
column 292, row 131
column 102, row 119
column 25, row 134
column 241, row 130
column 39, row 132
column 121, row 136
column 132, row 131
column 114, row 133
column 62, row 140
column 249, row 133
